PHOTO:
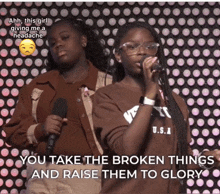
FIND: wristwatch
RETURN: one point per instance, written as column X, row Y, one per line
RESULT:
column 146, row 101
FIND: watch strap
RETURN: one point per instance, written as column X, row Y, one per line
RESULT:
column 146, row 101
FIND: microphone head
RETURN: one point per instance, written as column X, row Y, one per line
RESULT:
column 157, row 66
column 60, row 107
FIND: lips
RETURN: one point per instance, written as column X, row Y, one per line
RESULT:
column 138, row 64
column 61, row 53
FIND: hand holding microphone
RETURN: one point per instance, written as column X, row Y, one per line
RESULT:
column 156, row 65
column 53, row 123
column 151, row 70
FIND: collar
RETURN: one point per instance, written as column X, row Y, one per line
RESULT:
column 53, row 77
column 90, row 80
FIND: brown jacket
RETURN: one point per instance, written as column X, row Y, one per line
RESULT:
column 112, row 114
column 36, row 102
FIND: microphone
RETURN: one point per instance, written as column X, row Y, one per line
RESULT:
column 59, row 108
column 157, row 66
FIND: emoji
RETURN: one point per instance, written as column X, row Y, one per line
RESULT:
column 27, row 47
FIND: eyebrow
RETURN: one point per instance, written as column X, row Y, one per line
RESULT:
column 63, row 31
column 59, row 34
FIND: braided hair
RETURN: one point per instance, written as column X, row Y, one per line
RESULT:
column 94, row 50
column 176, row 114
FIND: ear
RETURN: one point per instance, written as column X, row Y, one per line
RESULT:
column 83, row 41
column 118, row 56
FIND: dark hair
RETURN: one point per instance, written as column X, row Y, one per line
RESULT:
column 94, row 50
column 117, row 69
column 176, row 114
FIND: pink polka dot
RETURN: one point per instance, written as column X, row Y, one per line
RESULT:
column 190, row 182
column 4, row 152
column 200, row 182
column 210, row 183
column 4, row 172
column 215, row 132
column 216, row 173
column 19, row 182
column 205, row 173
column 14, row 172
column 14, row 152
column 1, row 182
column 200, row 122
column 200, row 141
column 216, row 191
column 211, row 142
column 211, row 122
column 195, row 132
column 9, row 163
column 205, row 132
column 9, row 183
column 206, row 192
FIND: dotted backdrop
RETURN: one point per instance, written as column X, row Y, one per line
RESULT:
column 190, row 33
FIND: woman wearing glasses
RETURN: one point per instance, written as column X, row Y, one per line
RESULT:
column 140, row 116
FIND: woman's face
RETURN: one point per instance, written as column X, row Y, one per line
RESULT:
column 131, row 60
column 66, row 46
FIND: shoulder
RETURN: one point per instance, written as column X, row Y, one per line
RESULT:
column 109, row 90
column 103, row 79
column 181, row 103
column 43, row 78
column 178, row 98
column 115, row 94
column 107, row 93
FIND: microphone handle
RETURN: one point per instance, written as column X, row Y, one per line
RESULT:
column 50, row 144
column 60, row 108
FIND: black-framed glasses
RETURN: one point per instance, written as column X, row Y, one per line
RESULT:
column 132, row 48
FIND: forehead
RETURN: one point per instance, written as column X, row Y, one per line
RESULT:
column 138, row 35
column 61, row 27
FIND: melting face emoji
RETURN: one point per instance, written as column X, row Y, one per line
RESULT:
column 27, row 47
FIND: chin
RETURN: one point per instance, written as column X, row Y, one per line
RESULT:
column 137, row 72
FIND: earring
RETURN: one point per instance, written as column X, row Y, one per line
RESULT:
column 84, row 45
column 119, row 60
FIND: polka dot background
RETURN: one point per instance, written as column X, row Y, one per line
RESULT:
column 190, row 33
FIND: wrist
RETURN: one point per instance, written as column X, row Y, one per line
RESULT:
column 39, row 133
column 146, row 101
column 150, row 94
column 44, row 130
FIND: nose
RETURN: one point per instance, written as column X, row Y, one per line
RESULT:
column 58, row 43
column 142, row 50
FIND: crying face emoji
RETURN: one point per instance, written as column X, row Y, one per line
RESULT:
column 27, row 47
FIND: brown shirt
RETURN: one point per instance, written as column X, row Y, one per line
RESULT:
column 115, row 107
column 76, row 137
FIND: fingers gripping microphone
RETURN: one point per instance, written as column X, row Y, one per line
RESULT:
column 59, row 108
column 157, row 66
